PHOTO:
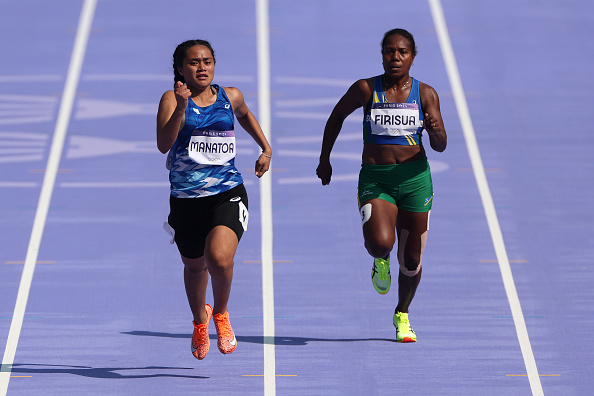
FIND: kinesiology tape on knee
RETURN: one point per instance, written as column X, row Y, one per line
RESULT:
column 401, row 245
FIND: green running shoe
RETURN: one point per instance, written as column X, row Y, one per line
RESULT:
column 380, row 275
column 404, row 333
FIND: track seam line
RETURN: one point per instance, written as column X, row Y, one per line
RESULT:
column 47, row 188
column 485, row 194
column 264, row 117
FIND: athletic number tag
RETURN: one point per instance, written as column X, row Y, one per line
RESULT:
column 212, row 147
column 243, row 215
column 365, row 213
column 394, row 119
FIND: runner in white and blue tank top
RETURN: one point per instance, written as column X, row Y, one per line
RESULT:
column 202, row 159
column 208, row 200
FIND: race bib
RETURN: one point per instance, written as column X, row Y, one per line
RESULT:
column 212, row 147
column 394, row 119
column 244, row 215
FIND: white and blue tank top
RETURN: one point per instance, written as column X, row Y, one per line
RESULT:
column 201, row 162
column 393, row 123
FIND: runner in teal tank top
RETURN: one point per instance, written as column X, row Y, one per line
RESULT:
column 395, row 190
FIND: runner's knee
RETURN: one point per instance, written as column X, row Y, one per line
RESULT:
column 380, row 247
column 194, row 267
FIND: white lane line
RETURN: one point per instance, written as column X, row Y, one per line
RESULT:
column 124, row 184
column 29, row 99
column 10, row 184
column 31, row 78
column 485, row 193
column 64, row 114
column 135, row 184
column 264, row 117
column 157, row 77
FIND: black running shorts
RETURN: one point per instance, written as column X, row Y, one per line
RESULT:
column 193, row 218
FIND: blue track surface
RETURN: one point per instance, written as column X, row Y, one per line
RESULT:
column 107, row 313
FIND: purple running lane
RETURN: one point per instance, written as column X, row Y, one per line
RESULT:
column 107, row 313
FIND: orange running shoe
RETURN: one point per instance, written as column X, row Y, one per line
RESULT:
column 225, row 335
column 200, row 338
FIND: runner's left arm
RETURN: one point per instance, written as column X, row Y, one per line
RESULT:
column 438, row 138
column 248, row 121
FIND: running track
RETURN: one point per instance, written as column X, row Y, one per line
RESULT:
column 104, row 311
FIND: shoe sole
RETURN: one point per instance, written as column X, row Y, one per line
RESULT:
column 382, row 292
column 226, row 352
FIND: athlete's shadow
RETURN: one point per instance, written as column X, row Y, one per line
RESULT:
column 277, row 340
column 98, row 372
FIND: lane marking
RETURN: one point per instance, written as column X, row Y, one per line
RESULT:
column 157, row 77
column 22, row 262
column 58, row 171
column 31, row 78
column 17, row 184
column 64, row 114
column 262, row 375
column 159, row 184
column 11, row 109
column 264, row 118
column 525, row 375
column 485, row 193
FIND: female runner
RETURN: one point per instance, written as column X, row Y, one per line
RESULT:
column 208, row 202
column 395, row 190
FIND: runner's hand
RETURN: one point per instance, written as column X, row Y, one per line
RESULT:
column 262, row 165
column 431, row 123
column 182, row 95
column 324, row 172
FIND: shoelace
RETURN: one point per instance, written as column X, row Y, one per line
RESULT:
column 404, row 325
column 224, row 327
column 200, row 335
column 382, row 269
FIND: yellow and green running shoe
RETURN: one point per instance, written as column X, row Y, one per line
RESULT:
column 404, row 333
column 380, row 275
